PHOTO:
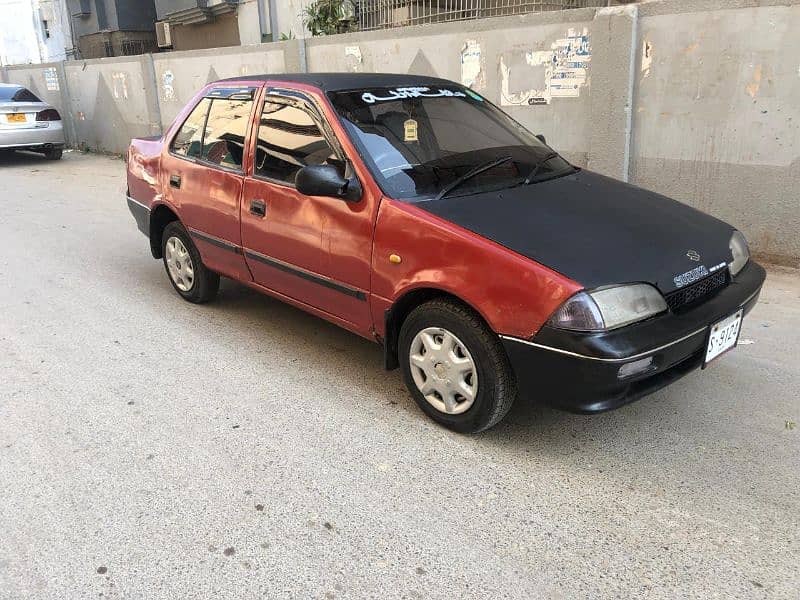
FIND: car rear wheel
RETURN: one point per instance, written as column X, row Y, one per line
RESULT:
column 185, row 269
column 455, row 367
column 53, row 153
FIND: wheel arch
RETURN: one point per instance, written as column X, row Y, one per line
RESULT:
column 396, row 314
column 161, row 216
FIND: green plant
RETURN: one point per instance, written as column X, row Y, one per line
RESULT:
column 285, row 37
column 327, row 17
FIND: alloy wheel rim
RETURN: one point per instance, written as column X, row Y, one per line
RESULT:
column 443, row 370
column 179, row 264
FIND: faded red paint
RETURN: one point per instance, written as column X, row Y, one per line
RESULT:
column 346, row 242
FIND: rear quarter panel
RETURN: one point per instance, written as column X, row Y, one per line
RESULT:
column 144, row 164
column 513, row 294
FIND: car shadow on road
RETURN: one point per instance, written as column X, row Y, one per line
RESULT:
column 273, row 315
column 653, row 425
column 18, row 158
column 651, row 439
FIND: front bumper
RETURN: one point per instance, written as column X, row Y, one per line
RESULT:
column 579, row 372
column 33, row 138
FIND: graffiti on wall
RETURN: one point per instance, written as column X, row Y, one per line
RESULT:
column 119, row 81
column 564, row 71
column 167, row 87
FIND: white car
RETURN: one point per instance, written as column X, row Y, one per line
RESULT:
column 27, row 123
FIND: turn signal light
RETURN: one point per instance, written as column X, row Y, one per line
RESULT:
column 50, row 114
column 633, row 368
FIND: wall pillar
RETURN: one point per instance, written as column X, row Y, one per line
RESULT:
column 151, row 94
column 70, row 132
column 614, row 53
column 294, row 56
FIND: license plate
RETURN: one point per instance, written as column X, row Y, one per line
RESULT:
column 723, row 336
column 17, row 118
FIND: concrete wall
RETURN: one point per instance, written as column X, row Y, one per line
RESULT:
column 494, row 56
column 179, row 75
column 698, row 100
column 717, row 119
column 111, row 100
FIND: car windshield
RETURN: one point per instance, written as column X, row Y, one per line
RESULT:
column 15, row 93
column 419, row 141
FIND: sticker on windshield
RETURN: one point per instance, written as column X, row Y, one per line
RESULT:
column 474, row 96
column 410, row 131
column 403, row 93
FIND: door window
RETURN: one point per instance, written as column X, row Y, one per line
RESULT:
column 190, row 137
column 226, row 127
column 288, row 140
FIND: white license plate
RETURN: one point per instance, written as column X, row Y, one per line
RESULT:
column 723, row 336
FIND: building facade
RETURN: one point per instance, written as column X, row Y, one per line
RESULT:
column 113, row 27
column 35, row 31
column 194, row 24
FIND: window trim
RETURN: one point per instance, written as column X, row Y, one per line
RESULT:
column 301, row 101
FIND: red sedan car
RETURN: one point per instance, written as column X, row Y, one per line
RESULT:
column 413, row 212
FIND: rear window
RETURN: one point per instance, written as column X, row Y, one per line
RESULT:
column 224, row 137
column 215, row 130
column 13, row 93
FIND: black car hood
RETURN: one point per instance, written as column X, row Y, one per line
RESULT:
column 595, row 230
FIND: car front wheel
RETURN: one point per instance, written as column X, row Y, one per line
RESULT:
column 53, row 153
column 185, row 269
column 455, row 367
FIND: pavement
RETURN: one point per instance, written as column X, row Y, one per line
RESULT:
column 150, row 448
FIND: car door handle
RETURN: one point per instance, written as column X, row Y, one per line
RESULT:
column 258, row 207
column 175, row 181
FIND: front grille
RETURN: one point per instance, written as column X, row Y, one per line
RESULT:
column 698, row 292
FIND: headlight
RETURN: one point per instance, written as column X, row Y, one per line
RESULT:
column 740, row 252
column 609, row 308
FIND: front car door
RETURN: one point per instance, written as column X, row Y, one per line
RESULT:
column 204, row 175
column 313, row 249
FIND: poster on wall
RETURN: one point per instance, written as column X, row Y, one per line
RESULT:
column 565, row 68
column 51, row 79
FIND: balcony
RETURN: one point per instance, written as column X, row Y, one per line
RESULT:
column 192, row 12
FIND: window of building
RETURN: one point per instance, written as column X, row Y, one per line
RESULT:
column 288, row 140
column 108, row 47
column 189, row 140
column 133, row 47
column 45, row 29
column 224, row 138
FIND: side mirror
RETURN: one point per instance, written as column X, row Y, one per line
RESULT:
column 540, row 137
column 326, row 180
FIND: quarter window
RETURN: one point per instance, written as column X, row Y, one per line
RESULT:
column 224, row 139
column 190, row 138
column 288, row 140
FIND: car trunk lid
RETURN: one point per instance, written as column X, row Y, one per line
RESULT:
column 20, row 115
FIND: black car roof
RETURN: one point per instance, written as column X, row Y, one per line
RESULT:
column 347, row 81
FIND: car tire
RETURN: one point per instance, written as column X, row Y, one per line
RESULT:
column 53, row 153
column 185, row 269
column 459, row 340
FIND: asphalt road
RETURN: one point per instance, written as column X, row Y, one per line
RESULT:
column 150, row 448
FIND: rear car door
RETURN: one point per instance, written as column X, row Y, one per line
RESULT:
column 312, row 249
column 203, row 173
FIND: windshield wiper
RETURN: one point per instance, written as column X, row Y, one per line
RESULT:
column 535, row 171
column 471, row 173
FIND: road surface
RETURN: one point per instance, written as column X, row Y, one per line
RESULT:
column 150, row 448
